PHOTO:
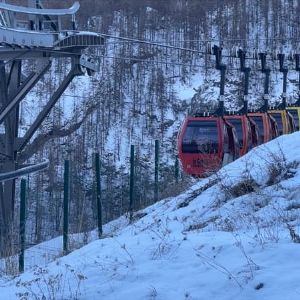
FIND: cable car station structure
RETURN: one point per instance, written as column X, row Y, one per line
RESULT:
column 32, row 33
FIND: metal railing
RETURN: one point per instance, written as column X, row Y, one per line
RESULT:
column 24, row 171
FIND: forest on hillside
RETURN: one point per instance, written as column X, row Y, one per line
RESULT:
column 244, row 19
column 135, row 98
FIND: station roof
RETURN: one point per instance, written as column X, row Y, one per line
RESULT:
column 36, row 11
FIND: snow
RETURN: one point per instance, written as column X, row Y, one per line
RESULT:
column 206, row 243
column 187, row 91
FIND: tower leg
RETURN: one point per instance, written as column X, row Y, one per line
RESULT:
column 9, row 83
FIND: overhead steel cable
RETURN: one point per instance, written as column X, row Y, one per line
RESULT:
column 147, row 60
column 152, row 43
column 151, row 60
column 208, row 48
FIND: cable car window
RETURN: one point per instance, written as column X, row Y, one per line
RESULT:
column 260, row 125
column 270, row 129
column 274, row 127
column 294, row 113
column 278, row 119
column 237, row 124
column 226, row 140
column 293, row 120
column 253, row 134
column 249, row 136
column 200, row 137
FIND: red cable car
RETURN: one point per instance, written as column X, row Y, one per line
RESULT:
column 245, row 127
column 205, row 144
column 246, row 131
column 267, row 126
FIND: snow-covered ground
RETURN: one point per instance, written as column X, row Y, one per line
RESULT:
column 232, row 236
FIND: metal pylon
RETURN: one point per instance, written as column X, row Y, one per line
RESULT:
column 41, row 41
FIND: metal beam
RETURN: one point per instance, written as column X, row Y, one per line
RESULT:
column 24, row 171
column 17, row 45
column 75, row 71
column 11, row 132
column 5, row 199
column 8, row 54
column 23, row 90
column 36, row 11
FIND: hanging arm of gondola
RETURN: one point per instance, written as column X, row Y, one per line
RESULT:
column 297, row 61
column 246, row 71
column 222, row 68
column 267, row 72
column 283, row 70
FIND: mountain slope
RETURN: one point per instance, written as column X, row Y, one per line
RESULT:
column 231, row 236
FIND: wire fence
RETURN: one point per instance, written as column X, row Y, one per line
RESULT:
column 27, row 250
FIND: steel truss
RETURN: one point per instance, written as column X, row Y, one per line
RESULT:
column 42, row 46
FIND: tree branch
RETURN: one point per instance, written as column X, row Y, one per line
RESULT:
column 54, row 132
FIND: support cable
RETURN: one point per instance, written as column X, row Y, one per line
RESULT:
column 208, row 49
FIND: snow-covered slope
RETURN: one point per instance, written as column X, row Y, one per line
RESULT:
column 232, row 236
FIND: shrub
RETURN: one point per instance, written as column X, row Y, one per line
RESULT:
column 245, row 186
column 46, row 286
column 279, row 168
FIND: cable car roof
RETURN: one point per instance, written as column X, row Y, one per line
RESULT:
column 255, row 112
column 235, row 117
column 202, row 118
column 44, row 11
column 276, row 110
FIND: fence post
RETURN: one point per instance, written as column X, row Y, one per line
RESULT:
column 176, row 170
column 98, row 190
column 22, row 224
column 66, row 206
column 156, row 170
column 131, row 183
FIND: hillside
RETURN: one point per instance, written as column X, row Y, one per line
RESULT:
column 142, row 93
column 233, row 236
